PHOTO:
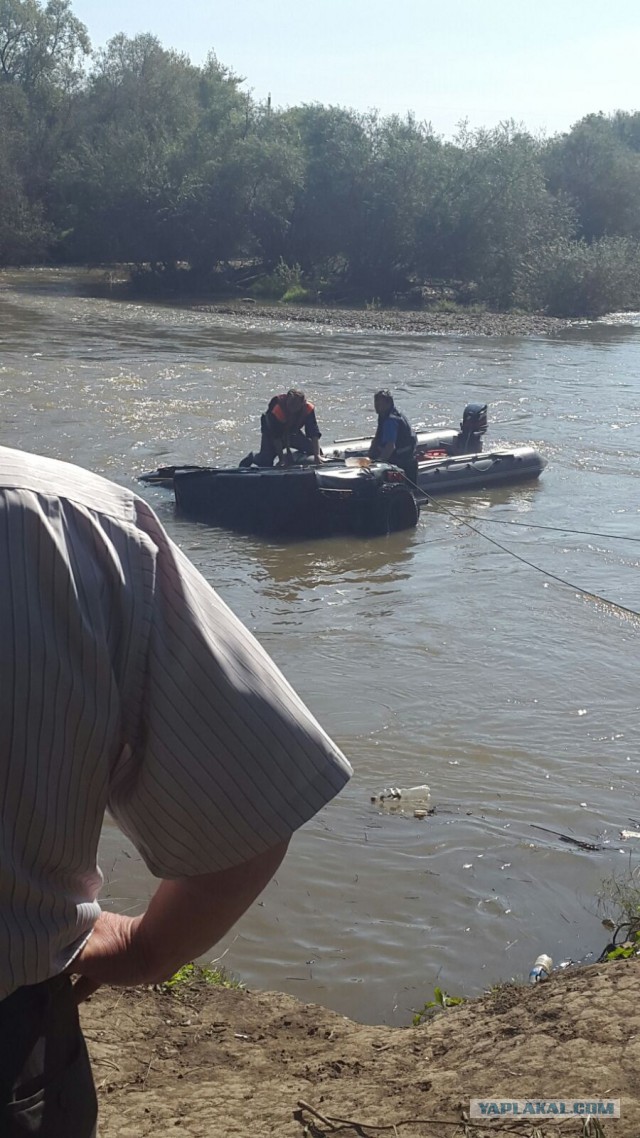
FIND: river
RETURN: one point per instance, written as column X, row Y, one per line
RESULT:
column 430, row 655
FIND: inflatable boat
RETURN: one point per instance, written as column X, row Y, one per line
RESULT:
column 450, row 460
column 479, row 471
column 299, row 501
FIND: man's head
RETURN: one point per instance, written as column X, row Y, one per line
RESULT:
column 383, row 401
column 295, row 400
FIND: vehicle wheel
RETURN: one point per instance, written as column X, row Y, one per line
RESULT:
column 393, row 509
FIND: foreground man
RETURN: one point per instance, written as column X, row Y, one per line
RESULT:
column 289, row 423
column 125, row 684
column 394, row 440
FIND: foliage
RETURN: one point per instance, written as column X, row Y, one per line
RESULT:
column 197, row 973
column 441, row 1000
column 619, row 899
column 597, row 167
column 25, row 236
column 135, row 155
column 628, row 948
column 41, row 46
column 574, row 278
column 296, row 294
column 276, row 285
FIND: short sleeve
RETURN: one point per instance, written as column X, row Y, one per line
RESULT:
column 228, row 760
column 389, row 431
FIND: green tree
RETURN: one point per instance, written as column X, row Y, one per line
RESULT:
column 24, row 234
column 382, row 252
column 597, row 166
column 272, row 175
column 224, row 164
column 327, row 215
column 41, row 46
column 42, row 50
column 141, row 151
column 490, row 212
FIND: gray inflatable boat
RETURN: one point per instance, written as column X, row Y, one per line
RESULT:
column 450, row 460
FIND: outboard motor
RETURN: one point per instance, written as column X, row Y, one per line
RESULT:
column 472, row 428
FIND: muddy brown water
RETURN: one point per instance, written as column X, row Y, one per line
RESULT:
column 431, row 656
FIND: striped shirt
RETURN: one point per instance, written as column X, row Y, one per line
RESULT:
column 127, row 684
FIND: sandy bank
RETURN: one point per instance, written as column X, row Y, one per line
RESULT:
column 213, row 1063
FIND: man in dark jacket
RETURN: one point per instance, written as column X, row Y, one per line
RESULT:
column 394, row 440
column 289, row 423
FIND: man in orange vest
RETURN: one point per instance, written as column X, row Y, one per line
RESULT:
column 289, row 423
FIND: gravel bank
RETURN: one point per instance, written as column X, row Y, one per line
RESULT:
column 392, row 319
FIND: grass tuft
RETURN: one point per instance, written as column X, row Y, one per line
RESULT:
column 200, row 973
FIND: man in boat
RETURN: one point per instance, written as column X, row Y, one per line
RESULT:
column 289, row 423
column 125, row 683
column 394, row 440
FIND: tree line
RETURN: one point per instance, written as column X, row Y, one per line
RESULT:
column 132, row 154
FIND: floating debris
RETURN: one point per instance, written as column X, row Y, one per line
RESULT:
column 591, row 846
column 413, row 798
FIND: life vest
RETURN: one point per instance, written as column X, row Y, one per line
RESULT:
column 405, row 439
column 289, row 423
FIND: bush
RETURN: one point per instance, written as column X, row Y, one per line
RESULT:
column 573, row 278
column 275, row 285
column 298, row 295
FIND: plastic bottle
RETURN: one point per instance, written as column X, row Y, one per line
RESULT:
column 399, row 800
column 541, row 969
column 408, row 795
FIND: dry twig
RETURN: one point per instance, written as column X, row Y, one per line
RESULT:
column 335, row 1123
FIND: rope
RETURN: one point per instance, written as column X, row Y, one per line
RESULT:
column 525, row 561
column 554, row 529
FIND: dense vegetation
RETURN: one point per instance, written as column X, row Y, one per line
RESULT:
column 133, row 154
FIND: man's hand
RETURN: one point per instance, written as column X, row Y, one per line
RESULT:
column 185, row 918
column 112, row 955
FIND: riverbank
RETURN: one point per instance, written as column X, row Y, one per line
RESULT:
column 208, row 1061
column 114, row 284
column 460, row 322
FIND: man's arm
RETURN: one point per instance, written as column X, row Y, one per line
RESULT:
column 225, row 764
column 185, row 918
column 312, row 431
column 386, row 452
column 274, row 430
column 388, row 440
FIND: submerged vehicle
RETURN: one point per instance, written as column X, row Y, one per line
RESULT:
column 299, row 501
column 348, row 493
